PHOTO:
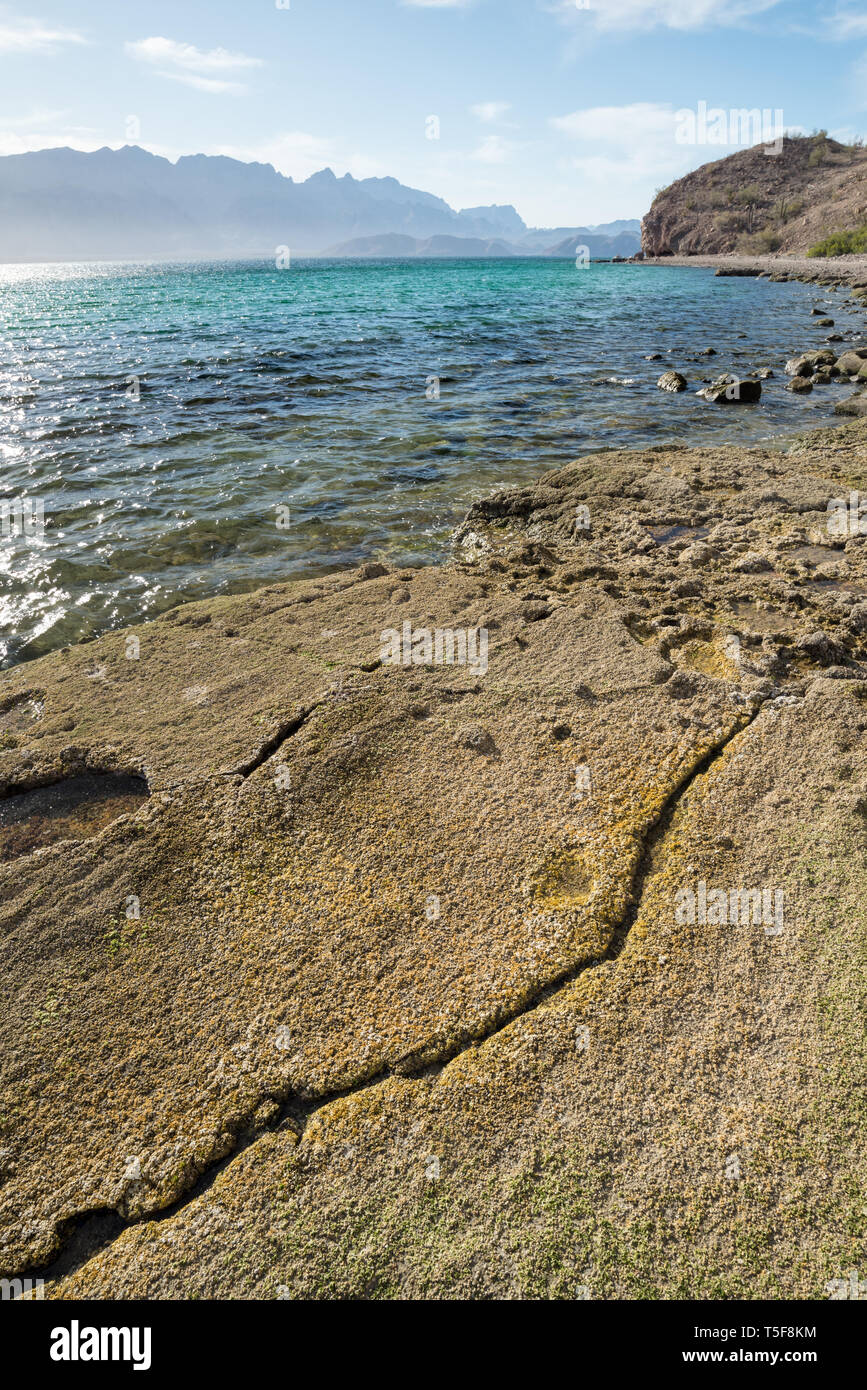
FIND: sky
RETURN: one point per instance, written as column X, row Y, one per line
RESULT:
column 571, row 110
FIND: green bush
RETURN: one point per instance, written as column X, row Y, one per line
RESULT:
column 841, row 244
column 769, row 241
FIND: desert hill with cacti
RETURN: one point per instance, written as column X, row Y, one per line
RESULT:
column 790, row 197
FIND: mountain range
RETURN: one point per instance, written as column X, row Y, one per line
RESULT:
column 68, row 205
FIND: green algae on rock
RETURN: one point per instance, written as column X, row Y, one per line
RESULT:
column 407, row 944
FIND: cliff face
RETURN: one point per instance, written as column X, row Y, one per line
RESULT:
column 755, row 201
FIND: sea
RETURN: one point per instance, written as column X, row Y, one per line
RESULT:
column 170, row 432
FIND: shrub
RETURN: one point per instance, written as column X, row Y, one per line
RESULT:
column 841, row 244
column 769, row 241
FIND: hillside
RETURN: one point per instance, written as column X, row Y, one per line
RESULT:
column 754, row 202
column 66, row 205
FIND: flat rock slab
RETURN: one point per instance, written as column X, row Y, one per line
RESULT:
column 348, row 938
column 684, row 1121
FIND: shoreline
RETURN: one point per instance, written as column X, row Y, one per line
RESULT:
column 848, row 270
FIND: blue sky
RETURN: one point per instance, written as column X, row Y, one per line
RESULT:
column 566, row 108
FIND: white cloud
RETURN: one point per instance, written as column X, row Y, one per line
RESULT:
column 649, row 14
column 206, row 71
column 437, row 4
column 489, row 111
column 630, row 148
column 493, row 150
column 33, row 36
column 22, row 136
column 846, row 24
column 618, row 125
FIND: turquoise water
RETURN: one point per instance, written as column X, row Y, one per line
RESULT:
column 309, row 389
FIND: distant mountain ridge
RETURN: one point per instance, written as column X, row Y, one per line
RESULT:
column 394, row 244
column 66, row 205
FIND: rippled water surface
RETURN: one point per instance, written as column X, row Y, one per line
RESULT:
column 192, row 430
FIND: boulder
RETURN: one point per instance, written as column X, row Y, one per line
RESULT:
column 672, row 381
column 851, row 362
column 807, row 363
column 800, row 384
column 731, row 390
column 854, row 405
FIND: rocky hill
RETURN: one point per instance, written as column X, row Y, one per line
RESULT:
column 757, row 201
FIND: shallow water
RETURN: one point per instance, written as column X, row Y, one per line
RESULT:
column 163, row 415
column 76, row 808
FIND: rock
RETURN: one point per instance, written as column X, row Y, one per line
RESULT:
column 851, row 362
column 822, row 377
column 731, row 390
column 764, row 374
column 858, row 617
column 477, row 739
column 698, row 554
column 806, row 364
column 825, row 323
column 800, row 384
column 419, row 941
column 535, row 612
column 708, row 352
column 818, row 646
column 752, row 563
column 855, row 405
column 653, row 357
column 672, row 381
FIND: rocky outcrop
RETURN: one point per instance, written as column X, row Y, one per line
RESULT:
column 404, row 978
column 753, row 201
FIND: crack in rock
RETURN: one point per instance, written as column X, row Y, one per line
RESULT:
column 85, row 1235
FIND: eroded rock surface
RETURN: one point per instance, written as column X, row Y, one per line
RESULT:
column 390, row 987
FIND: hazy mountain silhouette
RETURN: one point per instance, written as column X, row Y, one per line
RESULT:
column 65, row 205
